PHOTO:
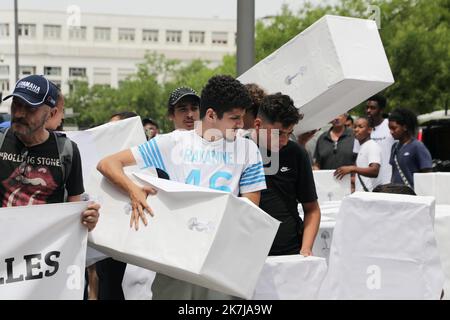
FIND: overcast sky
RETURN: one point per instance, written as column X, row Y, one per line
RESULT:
column 225, row 9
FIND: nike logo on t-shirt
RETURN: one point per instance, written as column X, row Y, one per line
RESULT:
column 284, row 169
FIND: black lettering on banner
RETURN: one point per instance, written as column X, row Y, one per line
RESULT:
column 31, row 266
column 52, row 263
column 34, row 267
column 9, row 271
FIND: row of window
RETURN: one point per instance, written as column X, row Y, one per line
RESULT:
column 56, row 71
column 124, row 34
column 100, row 75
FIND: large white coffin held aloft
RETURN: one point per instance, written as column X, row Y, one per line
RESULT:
column 384, row 247
column 328, row 69
column 436, row 184
column 207, row 237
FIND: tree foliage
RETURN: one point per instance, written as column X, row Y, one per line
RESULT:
column 414, row 35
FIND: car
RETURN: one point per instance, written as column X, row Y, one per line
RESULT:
column 435, row 134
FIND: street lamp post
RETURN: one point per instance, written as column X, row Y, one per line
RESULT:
column 16, row 39
column 245, row 35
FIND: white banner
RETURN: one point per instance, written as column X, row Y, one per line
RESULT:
column 95, row 144
column 43, row 252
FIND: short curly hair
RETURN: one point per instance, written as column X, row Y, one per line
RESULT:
column 405, row 117
column 279, row 107
column 222, row 94
column 257, row 94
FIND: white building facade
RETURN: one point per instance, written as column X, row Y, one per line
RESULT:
column 101, row 48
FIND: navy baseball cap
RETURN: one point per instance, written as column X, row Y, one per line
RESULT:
column 181, row 92
column 35, row 90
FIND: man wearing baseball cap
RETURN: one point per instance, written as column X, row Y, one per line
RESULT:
column 183, row 108
column 34, row 164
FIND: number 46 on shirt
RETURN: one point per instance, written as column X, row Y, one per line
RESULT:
column 194, row 178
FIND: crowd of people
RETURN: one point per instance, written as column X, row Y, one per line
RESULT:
column 245, row 124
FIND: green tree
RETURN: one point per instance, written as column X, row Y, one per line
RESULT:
column 414, row 35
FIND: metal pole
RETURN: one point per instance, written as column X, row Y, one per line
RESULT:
column 245, row 35
column 16, row 38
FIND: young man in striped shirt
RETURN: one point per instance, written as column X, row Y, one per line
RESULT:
column 209, row 156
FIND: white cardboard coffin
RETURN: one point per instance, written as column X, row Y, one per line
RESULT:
column 436, row 184
column 96, row 143
column 384, row 248
column 207, row 237
column 329, row 188
column 292, row 277
column 442, row 232
column 328, row 69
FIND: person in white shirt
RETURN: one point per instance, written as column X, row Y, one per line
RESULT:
column 368, row 162
column 380, row 134
column 209, row 156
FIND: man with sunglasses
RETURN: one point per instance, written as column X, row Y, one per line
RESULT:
column 31, row 169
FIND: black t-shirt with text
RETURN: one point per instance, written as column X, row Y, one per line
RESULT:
column 292, row 184
column 33, row 175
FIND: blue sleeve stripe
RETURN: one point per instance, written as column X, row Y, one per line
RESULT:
column 252, row 178
column 254, row 168
column 259, row 164
column 145, row 156
column 158, row 154
column 255, row 177
column 153, row 153
column 149, row 157
column 252, row 174
column 253, row 182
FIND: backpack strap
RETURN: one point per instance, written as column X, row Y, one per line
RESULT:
column 397, row 164
column 3, row 132
column 65, row 152
column 362, row 183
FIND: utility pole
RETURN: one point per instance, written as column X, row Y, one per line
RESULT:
column 245, row 35
column 16, row 39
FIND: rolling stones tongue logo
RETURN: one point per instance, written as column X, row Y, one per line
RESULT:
column 33, row 187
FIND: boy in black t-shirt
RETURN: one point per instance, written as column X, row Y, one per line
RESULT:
column 289, row 183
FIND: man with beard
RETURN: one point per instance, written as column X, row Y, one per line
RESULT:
column 183, row 108
column 31, row 169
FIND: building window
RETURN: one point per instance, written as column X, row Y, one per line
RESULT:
column 126, row 35
column 77, row 72
column 27, row 70
column 4, row 70
column 57, row 83
column 196, row 37
column 102, row 76
column 149, row 35
column 173, row 36
column 52, row 71
column 4, row 85
column 102, row 34
column 4, row 30
column 52, row 31
column 77, row 33
column 27, row 30
column 220, row 38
